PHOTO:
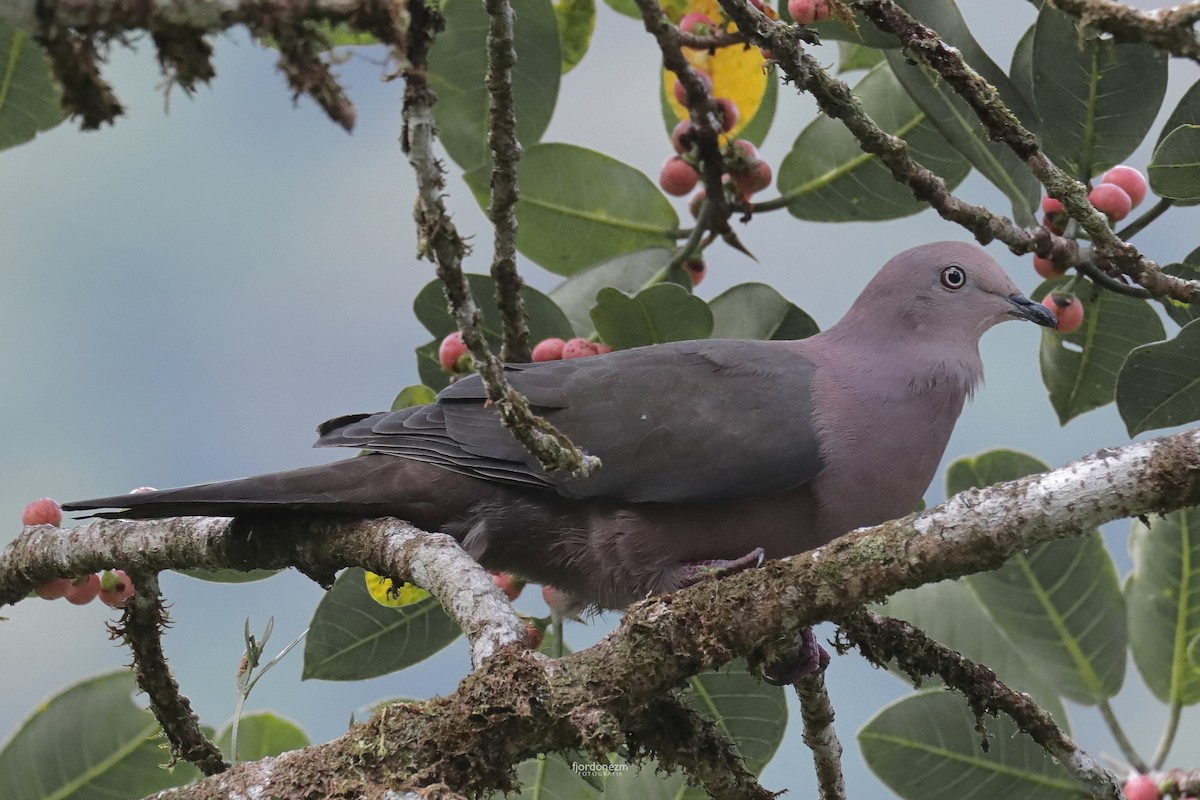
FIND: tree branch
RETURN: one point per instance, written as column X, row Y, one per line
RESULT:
column 442, row 244
column 142, row 624
column 817, row 712
column 1003, row 126
column 882, row 639
column 76, row 34
column 502, row 205
column 518, row 703
column 1171, row 29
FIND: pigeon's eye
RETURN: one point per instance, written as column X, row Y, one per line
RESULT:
column 954, row 277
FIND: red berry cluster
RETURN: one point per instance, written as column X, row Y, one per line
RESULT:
column 113, row 587
column 1119, row 191
column 554, row 349
column 806, row 11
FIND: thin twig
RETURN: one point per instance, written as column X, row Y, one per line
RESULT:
column 1149, row 215
column 441, row 242
column 502, row 205
column 882, row 639
column 1118, row 733
column 141, row 627
column 1168, row 736
column 817, row 712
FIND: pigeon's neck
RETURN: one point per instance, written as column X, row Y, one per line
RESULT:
column 910, row 358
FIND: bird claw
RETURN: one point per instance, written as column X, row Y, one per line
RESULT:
column 807, row 659
column 696, row 571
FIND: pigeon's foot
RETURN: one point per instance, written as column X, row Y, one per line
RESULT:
column 807, row 659
column 696, row 571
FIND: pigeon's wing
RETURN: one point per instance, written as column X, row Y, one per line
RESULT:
column 680, row 422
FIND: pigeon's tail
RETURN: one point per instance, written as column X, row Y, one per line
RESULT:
column 368, row 486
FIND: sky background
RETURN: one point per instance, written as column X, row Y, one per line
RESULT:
column 187, row 294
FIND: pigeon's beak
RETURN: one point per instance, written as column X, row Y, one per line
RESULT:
column 1024, row 308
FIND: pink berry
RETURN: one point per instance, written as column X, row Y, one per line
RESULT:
column 83, row 590
column 451, row 351
column 557, row 599
column 578, row 348
column 677, row 177
column 761, row 174
column 1141, row 787
column 681, row 137
column 698, row 24
column 727, row 112
column 1046, row 268
column 1129, row 179
column 1052, row 206
column 602, row 348
column 508, row 584
column 681, row 93
column 744, row 150
column 42, row 512
column 116, row 588
column 695, row 203
column 696, row 270
column 1053, row 224
column 1068, row 310
column 53, row 589
column 807, row 11
column 1111, row 200
column 548, row 350
column 766, row 54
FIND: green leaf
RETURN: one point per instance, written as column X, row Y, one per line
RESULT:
column 662, row 313
column 429, row 366
column 1159, row 384
column 29, row 97
column 579, row 208
column 418, row 395
column 950, row 613
column 630, row 273
column 758, row 311
column 753, row 714
column 261, row 735
column 352, row 637
column 89, row 741
column 626, row 7
column 1059, row 602
column 576, row 21
column 546, row 319
column 951, row 115
column 828, row 178
column 1186, row 112
column 550, row 777
column 857, row 56
column 228, row 575
column 1098, row 98
column 644, row 782
column 458, row 71
column 1163, row 595
column 1080, row 369
column 1175, row 169
column 926, row 747
column 1021, row 70
column 1183, row 313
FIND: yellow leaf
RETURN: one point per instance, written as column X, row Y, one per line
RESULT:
column 737, row 72
column 384, row 591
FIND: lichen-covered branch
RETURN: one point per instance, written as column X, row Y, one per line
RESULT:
column 1003, row 126
column 502, row 205
column 882, row 639
column 1170, row 28
column 77, row 33
column 518, row 703
column 141, row 627
column 820, row 737
column 441, row 243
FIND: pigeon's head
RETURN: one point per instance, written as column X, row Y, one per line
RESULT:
column 953, row 288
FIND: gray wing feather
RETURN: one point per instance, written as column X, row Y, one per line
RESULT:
column 682, row 422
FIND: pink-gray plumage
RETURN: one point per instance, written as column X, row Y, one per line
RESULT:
column 710, row 448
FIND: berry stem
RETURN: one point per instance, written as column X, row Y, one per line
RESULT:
column 1118, row 734
column 1168, row 736
column 1154, row 212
